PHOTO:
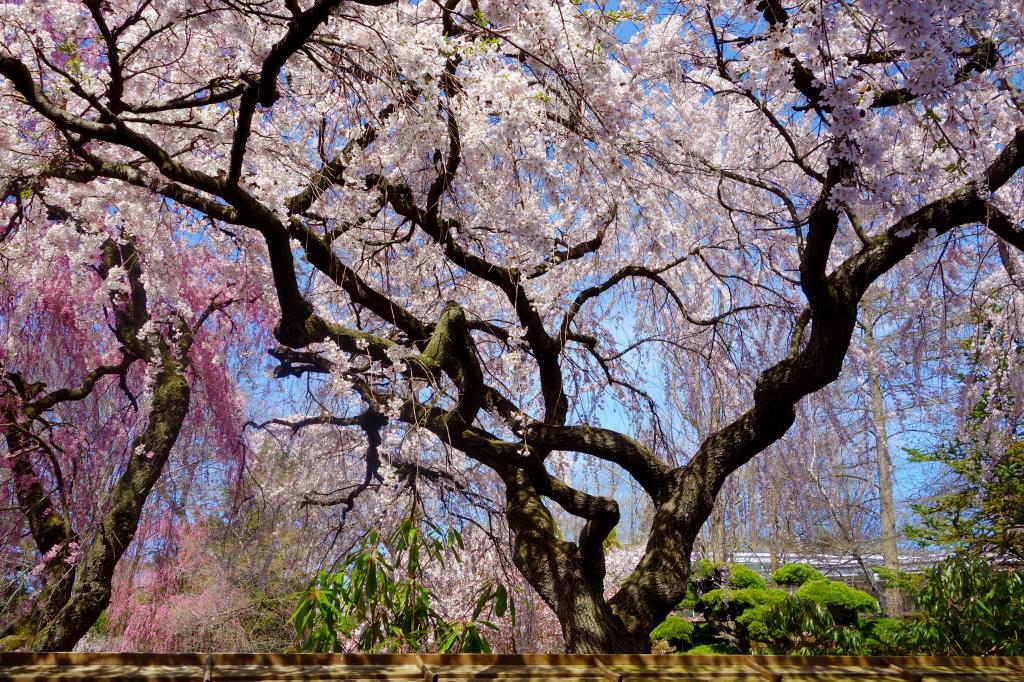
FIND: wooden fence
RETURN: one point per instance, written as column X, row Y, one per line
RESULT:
column 140, row 667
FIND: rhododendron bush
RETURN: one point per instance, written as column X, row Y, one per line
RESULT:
column 488, row 244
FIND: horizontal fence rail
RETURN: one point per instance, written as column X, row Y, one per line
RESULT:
column 142, row 667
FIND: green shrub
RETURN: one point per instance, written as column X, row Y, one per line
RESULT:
column 733, row 613
column 741, row 577
column 710, row 650
column 690, row 600
column 705, row 576
column 802, row 627
column 754, row 620
column 675, row 631
column 881, row 636
column 378, row 598
column 724, row 601
column 704, row 569
column 904, row 581
column 842, row 601
column 966, row 608
column 712, row 601
column 796, row 574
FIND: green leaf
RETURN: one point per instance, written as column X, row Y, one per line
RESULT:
column 500, row 600
column 376, row 594
column 445, row 646
column 414, row 560
column 371, row 582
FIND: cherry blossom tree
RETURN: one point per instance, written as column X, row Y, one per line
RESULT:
column 83, row 458
column 484, row 223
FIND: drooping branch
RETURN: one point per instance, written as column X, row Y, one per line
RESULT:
column 508, row 280
column 371, row 422
column 90, row 593
column 624, row 273
column 576, row 251
column 74, row 595
column 80, row 392
column 299, row 31
column 658, row 582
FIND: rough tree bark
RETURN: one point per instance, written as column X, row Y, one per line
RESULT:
column 569, row 576
column 75, row 592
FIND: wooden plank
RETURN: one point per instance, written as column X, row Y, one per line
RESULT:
column 812, row 675
column 692, row 674
column 382, row 673
column 506, row 659
column 377, row 660
column 607, row 672
column 956, row 661
column 953, row 671
column 113, row 658
column 527, row 675
column 975, row 675
column 141, row 667
column 765, row 673
column 134, row 673
column 497, row 670
column 428, row 674
column 615, row 661
column 683, row 666
column 905, row 673
column 834, row 670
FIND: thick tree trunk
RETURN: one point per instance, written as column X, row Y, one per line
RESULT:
column 892, row 598
column 569, row 582
column 50, row 531
column 77, row 585
column 589, row 626
column 90, row 594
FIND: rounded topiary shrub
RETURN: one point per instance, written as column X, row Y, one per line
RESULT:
column 674, row 630
column 741, row 577
column 723, row 602
column 710, row 650
column 842, row 601
column 705, row 575
column 796, row 574
column 754, row 621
